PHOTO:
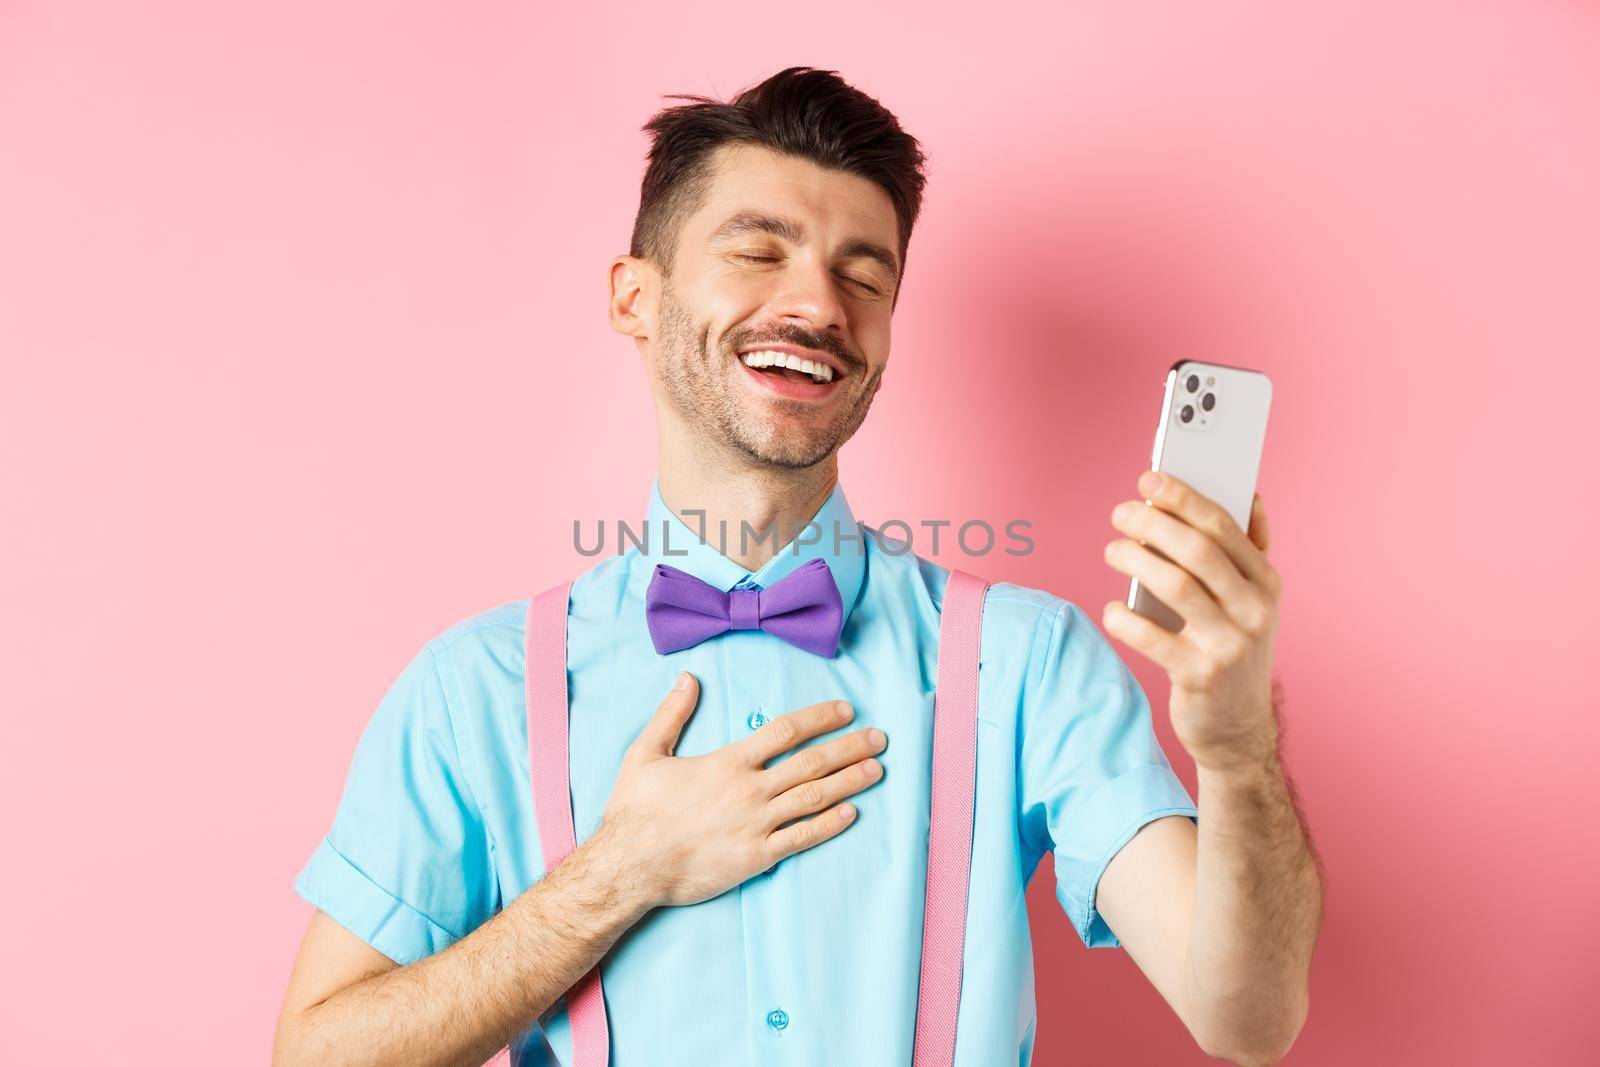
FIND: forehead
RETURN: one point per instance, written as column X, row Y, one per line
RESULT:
column 834, row 203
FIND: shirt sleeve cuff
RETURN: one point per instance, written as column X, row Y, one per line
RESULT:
column 1113, row 814
column 337, row 887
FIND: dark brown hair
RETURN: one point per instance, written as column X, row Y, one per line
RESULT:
column 800, row 111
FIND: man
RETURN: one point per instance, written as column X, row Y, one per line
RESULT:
column 750, row 861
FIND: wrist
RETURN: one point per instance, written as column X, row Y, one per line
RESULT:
column 1244, row 751
column 1240, row 773
column 608, row 862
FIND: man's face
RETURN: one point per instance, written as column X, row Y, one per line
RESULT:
column 783, row 257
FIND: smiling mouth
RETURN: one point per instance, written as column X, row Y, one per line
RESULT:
column 787, row 365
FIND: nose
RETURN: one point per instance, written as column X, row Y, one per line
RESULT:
column 809, row 296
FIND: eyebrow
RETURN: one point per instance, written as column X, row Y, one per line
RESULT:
column 791, row 231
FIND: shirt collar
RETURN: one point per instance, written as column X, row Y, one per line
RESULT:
column 833, row 535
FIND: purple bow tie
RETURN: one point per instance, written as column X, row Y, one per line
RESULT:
column 803, row 608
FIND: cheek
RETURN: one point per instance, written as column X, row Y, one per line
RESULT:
column 733, row 306
column 873, row 344
column 733, row 289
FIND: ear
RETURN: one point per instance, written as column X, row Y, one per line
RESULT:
column 632, row 305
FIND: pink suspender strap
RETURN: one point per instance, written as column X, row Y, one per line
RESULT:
column 955, row 745
column 545, row 651
column 955, row 737
column 552, row 800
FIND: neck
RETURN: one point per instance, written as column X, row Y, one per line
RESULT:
column 735, row 492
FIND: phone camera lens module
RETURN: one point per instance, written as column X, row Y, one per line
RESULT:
column 1187, row 414
column 1192, row 383
column 1208, row 401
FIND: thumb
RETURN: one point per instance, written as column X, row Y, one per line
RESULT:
column 660, row 735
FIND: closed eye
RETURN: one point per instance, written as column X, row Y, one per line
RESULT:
column 868, row 286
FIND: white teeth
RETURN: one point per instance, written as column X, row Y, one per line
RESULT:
column 819, row 371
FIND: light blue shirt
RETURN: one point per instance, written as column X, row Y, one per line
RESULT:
column 815, row 961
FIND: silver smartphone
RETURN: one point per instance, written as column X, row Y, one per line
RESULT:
column 1213, row 425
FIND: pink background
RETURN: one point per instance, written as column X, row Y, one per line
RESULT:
column 290, row 296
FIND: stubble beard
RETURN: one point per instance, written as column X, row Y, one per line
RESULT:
column 695, row 377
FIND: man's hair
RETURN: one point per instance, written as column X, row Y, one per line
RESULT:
column 800, row 111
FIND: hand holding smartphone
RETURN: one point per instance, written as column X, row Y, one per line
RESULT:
column 1212, row 429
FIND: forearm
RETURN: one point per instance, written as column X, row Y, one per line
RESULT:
column 461, row 1005
column 1258, row 906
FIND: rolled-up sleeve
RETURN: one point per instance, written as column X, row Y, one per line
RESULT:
column 1092, row 772
column 406, row 865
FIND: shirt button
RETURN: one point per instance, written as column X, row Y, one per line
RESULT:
column 777, row 1018
column 756, row 720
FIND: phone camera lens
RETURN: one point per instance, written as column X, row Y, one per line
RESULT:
column 1187, row 414
column 1208, row 401
column 1192, row 383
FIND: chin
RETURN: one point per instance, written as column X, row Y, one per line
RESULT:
column 789, row 451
